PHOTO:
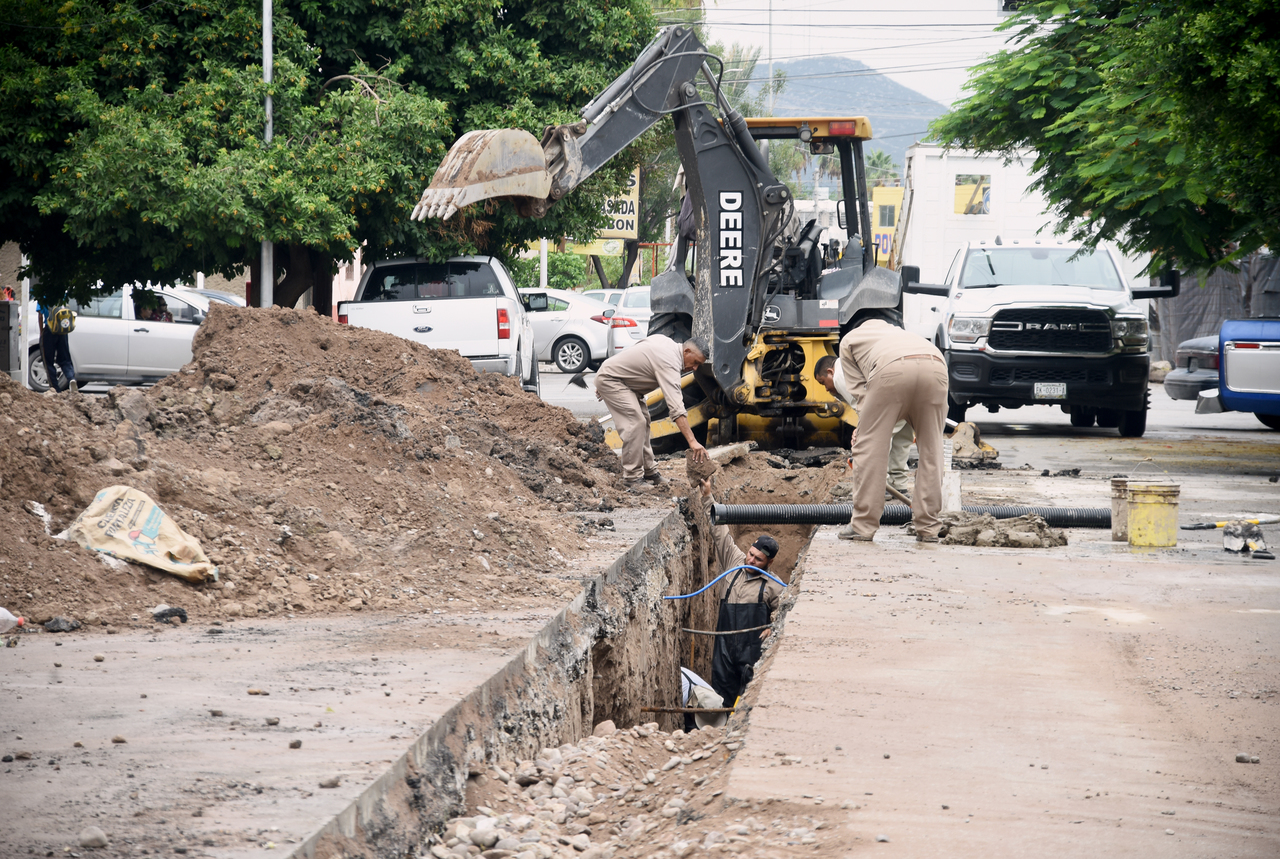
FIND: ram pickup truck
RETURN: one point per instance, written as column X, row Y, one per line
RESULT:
column 1044, row 322
column 469, row 304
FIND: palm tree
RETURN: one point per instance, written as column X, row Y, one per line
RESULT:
column 881, row 167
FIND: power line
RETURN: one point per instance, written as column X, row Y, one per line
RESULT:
column 827, row 25
column 879, row 48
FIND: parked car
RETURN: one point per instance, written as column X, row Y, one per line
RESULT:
column 1248, row 371
column 217, row 295
column 631, row 322
column 468, row 303
column 608, row 296
column 572, row 330
column 1195, row 368
column 116, row 342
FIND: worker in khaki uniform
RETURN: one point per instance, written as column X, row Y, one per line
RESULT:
column 748, row 600
column 894, row 375
column 828, row 368
column 626, row 379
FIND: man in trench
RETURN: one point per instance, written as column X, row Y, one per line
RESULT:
column 895, row 375
column 626, row 379
column 748, row 601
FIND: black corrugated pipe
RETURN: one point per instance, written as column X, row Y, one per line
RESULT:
column 895, row 514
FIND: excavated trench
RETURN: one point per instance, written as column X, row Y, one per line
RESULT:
column 615, row 648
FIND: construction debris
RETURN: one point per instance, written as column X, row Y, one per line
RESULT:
column 969, row 451
column 974, row 529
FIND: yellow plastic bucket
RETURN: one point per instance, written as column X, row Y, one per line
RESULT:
column 1120, row 509
column 1153, row 514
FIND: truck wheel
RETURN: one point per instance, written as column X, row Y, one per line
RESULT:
column 956, row 411
column 1110, row 418
column 1082, row 416
column 1132, row 424
column 571, row 355
column 1271, row 421
column 534, row 385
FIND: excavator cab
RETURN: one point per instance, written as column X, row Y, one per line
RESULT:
column 841, row 137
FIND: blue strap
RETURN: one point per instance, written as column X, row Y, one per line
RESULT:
column 722, row 575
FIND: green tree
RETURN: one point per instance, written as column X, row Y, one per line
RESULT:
column 564, row 271
column 132, row 142
column 881, row 168
column 1154, row 123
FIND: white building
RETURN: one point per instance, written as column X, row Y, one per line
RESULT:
column 956, row 196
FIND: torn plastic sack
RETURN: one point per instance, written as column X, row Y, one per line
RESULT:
column 125, row 523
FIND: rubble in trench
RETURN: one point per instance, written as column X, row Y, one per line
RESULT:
column 633, row 793
column 324, row 468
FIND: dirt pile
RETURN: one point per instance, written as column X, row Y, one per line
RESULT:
column 632, row 793
column 323, row 468
column 982, row 529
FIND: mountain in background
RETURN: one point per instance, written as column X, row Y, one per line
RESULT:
column 823, row 86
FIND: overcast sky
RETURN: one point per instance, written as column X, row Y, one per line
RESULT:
column 927, row 45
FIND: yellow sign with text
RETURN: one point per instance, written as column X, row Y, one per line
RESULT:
column 623, row 212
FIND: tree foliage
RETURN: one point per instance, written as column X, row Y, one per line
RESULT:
column 1154, row 122
column 564, row 271
column 881, row 168
column 132, row 142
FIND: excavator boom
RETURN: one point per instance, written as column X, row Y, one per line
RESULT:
column 768, row 296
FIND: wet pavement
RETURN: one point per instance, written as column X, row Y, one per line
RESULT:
column 973, row 702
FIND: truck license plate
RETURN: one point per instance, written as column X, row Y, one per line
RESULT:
column 1050, row 390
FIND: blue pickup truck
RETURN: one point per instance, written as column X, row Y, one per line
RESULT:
column 1248, row 371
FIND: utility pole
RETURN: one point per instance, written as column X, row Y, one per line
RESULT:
column 267, row 274
column 764, row 144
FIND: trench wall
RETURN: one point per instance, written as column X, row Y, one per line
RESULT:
column 613, row 649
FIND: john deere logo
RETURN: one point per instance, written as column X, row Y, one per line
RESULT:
column 772, row 313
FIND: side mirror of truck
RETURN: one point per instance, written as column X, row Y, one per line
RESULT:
column 536, row 301
column 840, row 218
column 911, row 283
column 1170, row 286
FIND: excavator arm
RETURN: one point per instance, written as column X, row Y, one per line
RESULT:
column 768, row 296
column 739, row 206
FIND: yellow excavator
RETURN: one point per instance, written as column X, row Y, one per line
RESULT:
column 767, row 295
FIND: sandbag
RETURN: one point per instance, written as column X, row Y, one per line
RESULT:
column 125, row 523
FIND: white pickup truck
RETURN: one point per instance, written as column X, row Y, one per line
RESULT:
column 467, row 303
column 1042, row 322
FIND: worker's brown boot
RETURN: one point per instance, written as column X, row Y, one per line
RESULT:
column 847, row 533
column 655, row 477
column 637, row 485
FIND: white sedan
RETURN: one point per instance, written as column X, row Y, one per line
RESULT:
column 631, row 324
column 573, row 331
column 130, row 336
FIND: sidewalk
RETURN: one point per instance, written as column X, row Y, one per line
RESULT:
column 985, row 703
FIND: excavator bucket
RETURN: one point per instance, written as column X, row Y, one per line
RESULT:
column 496, row 162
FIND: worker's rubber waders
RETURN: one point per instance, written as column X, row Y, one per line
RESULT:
column 734, row 658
